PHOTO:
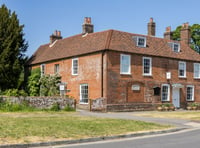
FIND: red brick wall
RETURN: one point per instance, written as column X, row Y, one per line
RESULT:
column 89, row 72
column 119, row 86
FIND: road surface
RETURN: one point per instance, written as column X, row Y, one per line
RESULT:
column 184, row 139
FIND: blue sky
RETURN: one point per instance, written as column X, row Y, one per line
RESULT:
column 42, row 17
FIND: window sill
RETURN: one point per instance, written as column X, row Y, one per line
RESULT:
column 125, row 73
column 82, row 103
column 74, row 74
column 147, row 75
column 182, row 77
column 197, row 78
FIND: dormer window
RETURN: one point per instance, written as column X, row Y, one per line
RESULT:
column 176, row 47
column 141, row 41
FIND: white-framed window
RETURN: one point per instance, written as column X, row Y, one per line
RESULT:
column 197, row 70
column 125, row 64
column 42, row 69
column 75, row 66
column 83, row 93
column 182, row 69
column 141, row 41
column 165, row 92
column 147, row 66
column 190, row 93
column 176, row 47
column 56, row 68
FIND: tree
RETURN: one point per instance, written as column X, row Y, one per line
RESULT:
column 12, row 49
column 195, row 36
column 33, row 82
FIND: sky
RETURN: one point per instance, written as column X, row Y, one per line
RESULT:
column 42, row 17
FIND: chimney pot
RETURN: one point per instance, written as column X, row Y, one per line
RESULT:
column 87, row 26
column 55, row 36
column 151, row 27
column 168, row 34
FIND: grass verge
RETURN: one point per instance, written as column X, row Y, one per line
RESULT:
column 189, row 115
column 52, row 126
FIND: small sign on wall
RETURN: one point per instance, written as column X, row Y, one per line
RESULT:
column 168, row 75
column 62, row 87
column 135, row 87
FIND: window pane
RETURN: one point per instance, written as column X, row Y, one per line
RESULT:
column 165, row 92
column 84, row 93
column 75, row 66
column 125, row 64
column 182, row 69
column 190, row 93
column 197, row 70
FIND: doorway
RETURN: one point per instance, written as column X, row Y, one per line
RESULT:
column 176, row 97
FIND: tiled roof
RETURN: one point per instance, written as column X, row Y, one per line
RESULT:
column 112, row 40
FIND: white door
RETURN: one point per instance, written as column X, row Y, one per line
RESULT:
column 84, row 93
column 176, row 97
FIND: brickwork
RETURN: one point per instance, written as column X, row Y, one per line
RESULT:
column 89, row 72
column 119, row 86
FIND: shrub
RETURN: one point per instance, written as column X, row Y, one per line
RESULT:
column 55, row 107
column 68, row 108
column 15, row 92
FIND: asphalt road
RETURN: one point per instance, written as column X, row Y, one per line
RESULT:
column 183, row 139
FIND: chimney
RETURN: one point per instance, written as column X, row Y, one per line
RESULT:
column 185, row 33
column 87, row 26
column 151, row 27
column 55, row 36
column 168, row 34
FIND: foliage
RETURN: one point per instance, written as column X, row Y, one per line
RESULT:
column 49, row 85
column 14, row 92
column 195, row 36
column 55, row 107
column 7, row 106
column 12, row 49
column 33, row 82
column 68, row 108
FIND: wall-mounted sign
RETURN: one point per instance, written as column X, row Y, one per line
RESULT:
column 135, row 87
column 168, row 75
column 62, row 87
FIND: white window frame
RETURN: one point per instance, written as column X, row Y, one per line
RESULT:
column 75, row 68
column 184, row 68
column 56, row 68
column 150, row 66
column 168, row 92
column 197, row 70
column 192, row 95
column 84, row 100
column 174, row 47
column 138, row 38
column 127, row 64
column 42, row 69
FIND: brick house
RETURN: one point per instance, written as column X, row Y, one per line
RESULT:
column 132, row 71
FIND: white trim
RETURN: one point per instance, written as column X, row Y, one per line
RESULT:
column 73, row 66
column 191, row 86
column 196, row 65
column 168, row 93
column 42, row 71
column 128, row 64
column 140, row 37
column 178, row 47
column 84, row 84
column 181, row 62
column 150, row 66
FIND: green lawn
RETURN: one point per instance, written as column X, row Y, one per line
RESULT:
column 51, row 126
column 190, row 115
